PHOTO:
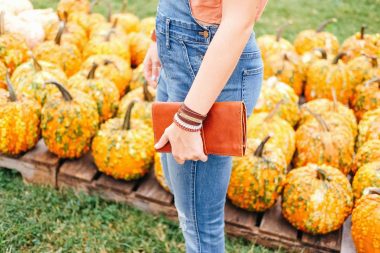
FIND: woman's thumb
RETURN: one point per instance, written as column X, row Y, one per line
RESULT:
column 163, row 140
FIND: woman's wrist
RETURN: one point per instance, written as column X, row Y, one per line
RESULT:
column 188, row 120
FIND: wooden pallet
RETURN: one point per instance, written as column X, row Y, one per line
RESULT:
column 269, row 229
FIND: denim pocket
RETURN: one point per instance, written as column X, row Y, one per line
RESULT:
column 193, row 54
column 251, row 87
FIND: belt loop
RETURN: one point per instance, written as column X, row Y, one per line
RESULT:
column 167, row 33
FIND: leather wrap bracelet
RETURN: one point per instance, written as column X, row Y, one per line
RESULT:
column 188, row 119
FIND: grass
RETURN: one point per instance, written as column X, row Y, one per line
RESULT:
column 304, row 14
column 41, row 219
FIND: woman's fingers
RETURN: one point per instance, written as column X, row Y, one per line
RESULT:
column 148, row 68
column 155, row 72
column 163, row 140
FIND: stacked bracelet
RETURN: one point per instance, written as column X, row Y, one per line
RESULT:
column 189, row 120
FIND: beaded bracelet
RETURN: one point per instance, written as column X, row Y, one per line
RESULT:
column 188, row 119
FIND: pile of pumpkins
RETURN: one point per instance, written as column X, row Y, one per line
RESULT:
column 82, row 88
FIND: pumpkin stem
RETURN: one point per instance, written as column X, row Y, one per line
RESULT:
column 373, row 80
column 109, row 14
column 108, row 36
column 61, row 28
column 106, row 62
column 373, row 59
column 128, row 115
column 12, row 94
column 338, row 57
column 320, row 120
column 36, row 64
column 147, row 95
column 92, row 5
column 65, row 93
column 260, row 148
column 281, row 29
column 2, row 23
column 371, row 190
column 362, row 31
column 323, row 52
column 321, row 174
column 114, row 24
column 91, row 74
column 335, row 100
column 275, row 110
column 124, row 7
column 323, row 25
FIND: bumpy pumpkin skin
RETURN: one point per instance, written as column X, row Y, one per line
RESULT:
column 367, row 176
column 313, row 204
column 138, row 45
column 259, row 125
column 19, row 124
column 363, row 68
column 269, row 45
column 30, row 79
column 123, row 154
column 107, row 46
column 368, row 152
column 366, row 224
column 147, row 25
column 323, row 106
column 14, row 50
column 72, row 34
column 358, row 44
column 334, row 147
column 87, row 21
column 256, row 180
column 309, row 40
column 103, row 91
column 111, row 67
column 366, row 97
column 113, row 30
column 3, row 71
column 369, row 127
column 322, row 76
column 68, row 126
column 128, row 21
column 67, row 56
column 71, row 6
column 273, row 91
column 138, row 78
column 159, row 172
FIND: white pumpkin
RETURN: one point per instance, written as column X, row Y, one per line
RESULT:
column 42, row 16
column 15, row 6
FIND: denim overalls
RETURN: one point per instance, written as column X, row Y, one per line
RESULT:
column 199, row 188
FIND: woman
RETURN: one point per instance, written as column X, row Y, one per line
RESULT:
column 206, row 51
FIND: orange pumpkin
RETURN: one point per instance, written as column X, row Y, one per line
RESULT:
column 366, row 97
column 14, row 50
column 138, row 78
column 369, row 127
column 128, row 21
column 286, row 67
column 367, row 176
column 111, row 67
column 66, row 7
column 368, row 152
column 103, row 91
column 65, row 55
column 19, row 122
column 309, row 40
column 274, row 44
column 138, row 45
column 3, row 71
column 324, row 75
column 72, row 33
column 365, row 228
column 326, row 139
column 87, row 21
column 358, row 44
column 316, row 198
column 273, row 91
column 147, row 25
column 112, row 30
column 159, row 172
column 363, row 68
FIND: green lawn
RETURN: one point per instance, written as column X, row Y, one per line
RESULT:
column 41, row 219
column 304, row 14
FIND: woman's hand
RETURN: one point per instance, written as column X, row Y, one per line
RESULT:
column 152, row 65
column 185, row 145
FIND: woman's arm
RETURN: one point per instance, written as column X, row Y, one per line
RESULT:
column 223, row 53
column 219, row 62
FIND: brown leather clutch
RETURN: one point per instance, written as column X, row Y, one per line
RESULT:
column 223, row 131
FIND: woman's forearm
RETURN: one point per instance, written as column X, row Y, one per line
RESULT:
column 218, row 63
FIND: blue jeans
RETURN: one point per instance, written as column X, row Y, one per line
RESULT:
column 199, row 188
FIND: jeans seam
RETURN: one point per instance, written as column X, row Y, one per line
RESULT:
column 193, row 173
column 187, row 60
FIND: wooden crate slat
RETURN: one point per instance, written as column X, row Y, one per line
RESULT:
column 40, row 154
column 347, row 245
column 80, row 169
column 274, row 224
column 239, row 217
column 151, row 190
column 329, row 241
column 122, row 186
